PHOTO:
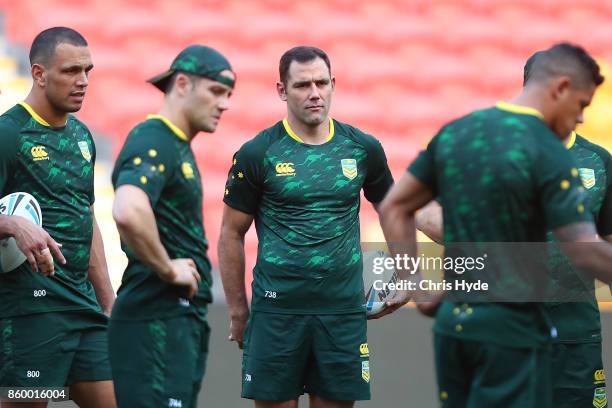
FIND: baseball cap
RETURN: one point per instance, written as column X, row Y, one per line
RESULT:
column 198, row 60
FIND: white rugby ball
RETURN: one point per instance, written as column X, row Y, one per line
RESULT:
column 20, row 205
column 376, row 274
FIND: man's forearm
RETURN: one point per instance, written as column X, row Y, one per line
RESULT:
column 7, row 226
column 586, row 250
column 595, row 258
column 429, row 221
column 139, row 232
column 400, row 234
column 231, row 266
column 98, row 271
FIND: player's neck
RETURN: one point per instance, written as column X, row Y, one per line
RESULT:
column 314, row 135
column 530, row 101
column 177, row 119
column 43, row 108
column 566, row 140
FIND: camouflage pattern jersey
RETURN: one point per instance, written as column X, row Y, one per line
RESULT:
column 56, row 166
column 305, row 200
column 157, row 158
column 501, row 175
column 579, row 321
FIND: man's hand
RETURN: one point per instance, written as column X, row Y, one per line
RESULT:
column 183, row 272
column 238, row 322
column 399, row 299
column 428, row 302
column 37, row 245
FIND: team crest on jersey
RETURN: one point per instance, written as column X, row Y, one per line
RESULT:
column 365, row 371
column 588, row 177
column 39, row 153
column 85, row 150
column 349, row 168
column 600, row 397
column 187, row 170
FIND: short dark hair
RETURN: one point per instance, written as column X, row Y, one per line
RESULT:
column 300, row 54
column 44, row 44
column 563, row 59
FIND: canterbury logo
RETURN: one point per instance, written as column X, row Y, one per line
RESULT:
column 600, row 376
column 285, row 169
column 39, row 153
column 364, row 350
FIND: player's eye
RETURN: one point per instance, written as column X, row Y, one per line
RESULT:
column 218, row 91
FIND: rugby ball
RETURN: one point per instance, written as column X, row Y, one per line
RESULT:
column 20, row 205
column 378, row 273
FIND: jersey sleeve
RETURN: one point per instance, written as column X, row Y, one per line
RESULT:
column 424, row 168
column 245, row 179
column 378, row 179
column 8, row 154
column 561, row 194
column 147, row 161
column 604, row 219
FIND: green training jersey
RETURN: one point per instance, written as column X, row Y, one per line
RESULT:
column 501, row 175
column 56, row 166
column 305, row 200
column 579, row 321
column 157, row 158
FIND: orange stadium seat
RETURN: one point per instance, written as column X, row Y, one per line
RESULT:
column 132, row 22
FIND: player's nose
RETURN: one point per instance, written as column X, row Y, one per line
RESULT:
column 314, row 92
column 82, row 80
column 223, row 103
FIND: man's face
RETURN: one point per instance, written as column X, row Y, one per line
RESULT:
column 65, row 77
column 308, row 91
column 569, row 108
column 206, row 102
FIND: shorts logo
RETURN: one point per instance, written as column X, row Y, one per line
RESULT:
column 600, row 398
column 599, row 376
column 365, row 371
column 187, row 170
column 85, row 150
column 588, row 177
column 364, row 351
column 285, row 169
column 247, row 377
column 175, row 403
column 349, row 168
column 39, row 153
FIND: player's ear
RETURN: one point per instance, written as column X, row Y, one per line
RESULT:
column 282, row 91
column 333, row 82
column 560, row 86
column 182, row 84
column 39, row 75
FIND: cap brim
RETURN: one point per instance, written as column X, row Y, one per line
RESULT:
column 161, row 81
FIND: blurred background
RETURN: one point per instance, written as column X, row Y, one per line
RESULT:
column 403, row 68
